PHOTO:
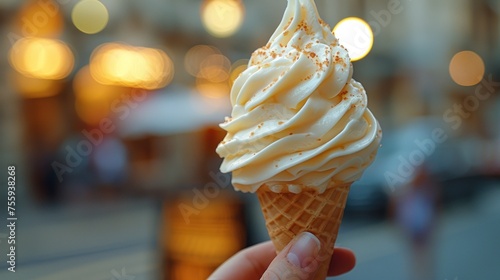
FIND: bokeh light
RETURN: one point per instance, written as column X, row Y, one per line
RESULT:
column 90, row 16
column 212, row 79
column 138, row 67
column 93, row 101
column 215, row 68
column 195, row 56
column 40, row 19
column 212, row 89
column 42, row 58
column 467, row 68
column 222, row 18
column 211, row 68
column 356, row 36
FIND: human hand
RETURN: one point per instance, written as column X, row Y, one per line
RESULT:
column 294, row 261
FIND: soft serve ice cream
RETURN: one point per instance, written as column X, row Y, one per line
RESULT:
column 299, row 120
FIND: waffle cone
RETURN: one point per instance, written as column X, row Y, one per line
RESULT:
column 288, row 214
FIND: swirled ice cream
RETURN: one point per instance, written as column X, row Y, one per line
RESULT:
column 299, row 120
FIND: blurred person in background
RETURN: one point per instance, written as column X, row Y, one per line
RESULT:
column 109, row 160
column 415, row 212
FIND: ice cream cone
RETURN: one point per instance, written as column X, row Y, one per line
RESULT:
column 288, row 214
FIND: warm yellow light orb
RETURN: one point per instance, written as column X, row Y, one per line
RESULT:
column 215, row 68
column 138, row 67
column 356, row 36
column 195, row 56
column 212, row 89
column 90, row 16
column 39, row 18
column 222, row 18
column 467, row 68
column 41, row 58
column 213, row 78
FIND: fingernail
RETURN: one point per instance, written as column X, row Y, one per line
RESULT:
column 304, row 250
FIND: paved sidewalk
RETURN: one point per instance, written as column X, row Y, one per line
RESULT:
column 466, row 247
column 119, row 241
column 97, row 241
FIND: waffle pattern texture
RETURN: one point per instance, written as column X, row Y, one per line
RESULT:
column 288, row 214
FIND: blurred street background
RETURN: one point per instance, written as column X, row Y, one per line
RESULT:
column 109, row 111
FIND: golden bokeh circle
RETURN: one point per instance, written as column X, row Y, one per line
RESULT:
column 356, row 36
column 222, row 18
column 467, row 68
column 90, row 16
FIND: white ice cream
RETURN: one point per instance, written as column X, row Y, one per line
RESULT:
column 299, row 120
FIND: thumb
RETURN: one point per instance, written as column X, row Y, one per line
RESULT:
column 298, row 260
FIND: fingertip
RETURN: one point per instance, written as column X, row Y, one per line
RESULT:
column 343, row 260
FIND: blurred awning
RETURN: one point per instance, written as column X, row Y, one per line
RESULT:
column 171, row 111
